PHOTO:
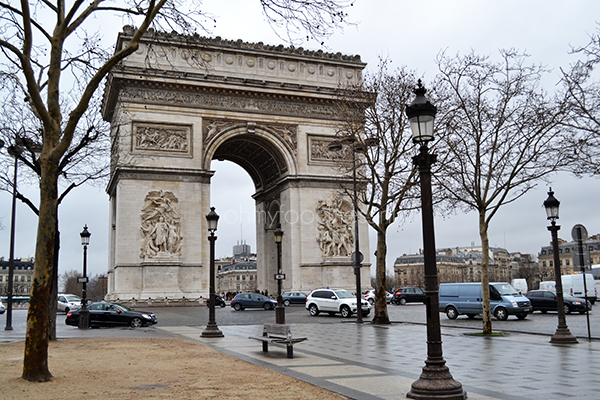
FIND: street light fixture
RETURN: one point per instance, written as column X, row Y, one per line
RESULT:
column 212, row 330
column 563, row 334
column 84, row 313
column 280, row 309
column 357, row 257
column 435, row 381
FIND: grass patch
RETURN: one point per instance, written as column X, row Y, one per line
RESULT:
column 481, row 334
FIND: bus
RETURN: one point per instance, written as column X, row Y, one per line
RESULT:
column 17, row 301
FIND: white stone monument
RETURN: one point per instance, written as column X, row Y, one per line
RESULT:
column 180, row 102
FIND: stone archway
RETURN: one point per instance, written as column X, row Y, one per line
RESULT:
column 180, row 102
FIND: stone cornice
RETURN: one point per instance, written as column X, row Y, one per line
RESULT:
column 237, row 45
column 156, row 173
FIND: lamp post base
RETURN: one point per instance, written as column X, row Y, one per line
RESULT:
column 211, row 331
column 563, row 336
column 436, row 382
column 280, row 315
column 84, row 319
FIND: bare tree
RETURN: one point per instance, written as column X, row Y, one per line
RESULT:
column 375, row 124
column 39, row 43
column 500, row 135
column 583, row 93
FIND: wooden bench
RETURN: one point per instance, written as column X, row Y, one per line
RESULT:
column 277, row 333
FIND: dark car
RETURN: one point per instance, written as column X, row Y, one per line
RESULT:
column 252, row 300
column 293, row 298
column 219, row 302
column 408, row 295
column 109, row 314
column 545, row 300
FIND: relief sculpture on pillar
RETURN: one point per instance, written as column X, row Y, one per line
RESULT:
column 335, row 236
column 161, row 226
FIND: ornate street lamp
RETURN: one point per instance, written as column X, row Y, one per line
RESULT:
column 84, row 313
column 212, row 330
column 357, row 257
column 280, row 309
column 435, row 381
column 562, row 334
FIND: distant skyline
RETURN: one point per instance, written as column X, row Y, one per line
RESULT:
column 408, row 33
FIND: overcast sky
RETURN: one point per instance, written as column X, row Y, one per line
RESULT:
column 409, row 33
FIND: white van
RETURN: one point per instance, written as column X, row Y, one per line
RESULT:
column 573, row 286
column 520, row 285
column 548, row 285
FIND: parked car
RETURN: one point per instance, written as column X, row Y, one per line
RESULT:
column 219, row 301
column 293, row 298
column 2, row 308
column 68, row 302
column 252, row 300
column 109, row 314
column 408, row 295
column 369, row 295
column 545, row 300
column 466, row 298
column 335, row 301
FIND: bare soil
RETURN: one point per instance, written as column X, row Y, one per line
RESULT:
column 110, row 369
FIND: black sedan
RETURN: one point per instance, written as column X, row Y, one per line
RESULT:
column 219, row 301
column 108, row 314
column 293, row 298
column 252, row 300
column 545, row 300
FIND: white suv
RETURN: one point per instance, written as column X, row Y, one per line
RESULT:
column 334, row 301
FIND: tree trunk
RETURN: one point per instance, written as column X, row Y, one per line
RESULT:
column 380, row 315
column 52, row 300
column 485, row 280
column 35, row 362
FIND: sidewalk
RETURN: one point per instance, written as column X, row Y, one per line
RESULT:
column 374, row 362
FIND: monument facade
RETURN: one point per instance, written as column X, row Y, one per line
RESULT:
column 180, row 102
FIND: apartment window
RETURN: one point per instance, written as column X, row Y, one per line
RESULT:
column 237, row 278
column 243, row 277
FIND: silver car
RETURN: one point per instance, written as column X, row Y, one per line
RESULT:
column 68, row 302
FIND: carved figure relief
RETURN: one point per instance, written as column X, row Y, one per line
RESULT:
column 213, row 127
column 319, row 150
column 230, row 102
column 161, row 225
column 335, row 236
column 170, row 138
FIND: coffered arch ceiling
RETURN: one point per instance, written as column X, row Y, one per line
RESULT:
column 263, row 161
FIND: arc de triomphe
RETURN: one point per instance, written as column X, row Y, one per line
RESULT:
column 180, row 102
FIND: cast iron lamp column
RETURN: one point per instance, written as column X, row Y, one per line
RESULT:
column 356, row 256
column 212, row 330
column 13, row 151
column 280, row 309
column 84, row 313
column 435, row 381
column 563, row 334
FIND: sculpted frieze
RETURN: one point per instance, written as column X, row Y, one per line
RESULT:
column 319, row 151
column 228, row 102
column 164, row 138
column 161, row 226
column 334, row 225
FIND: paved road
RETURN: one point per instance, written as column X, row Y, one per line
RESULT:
column 536, row 323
